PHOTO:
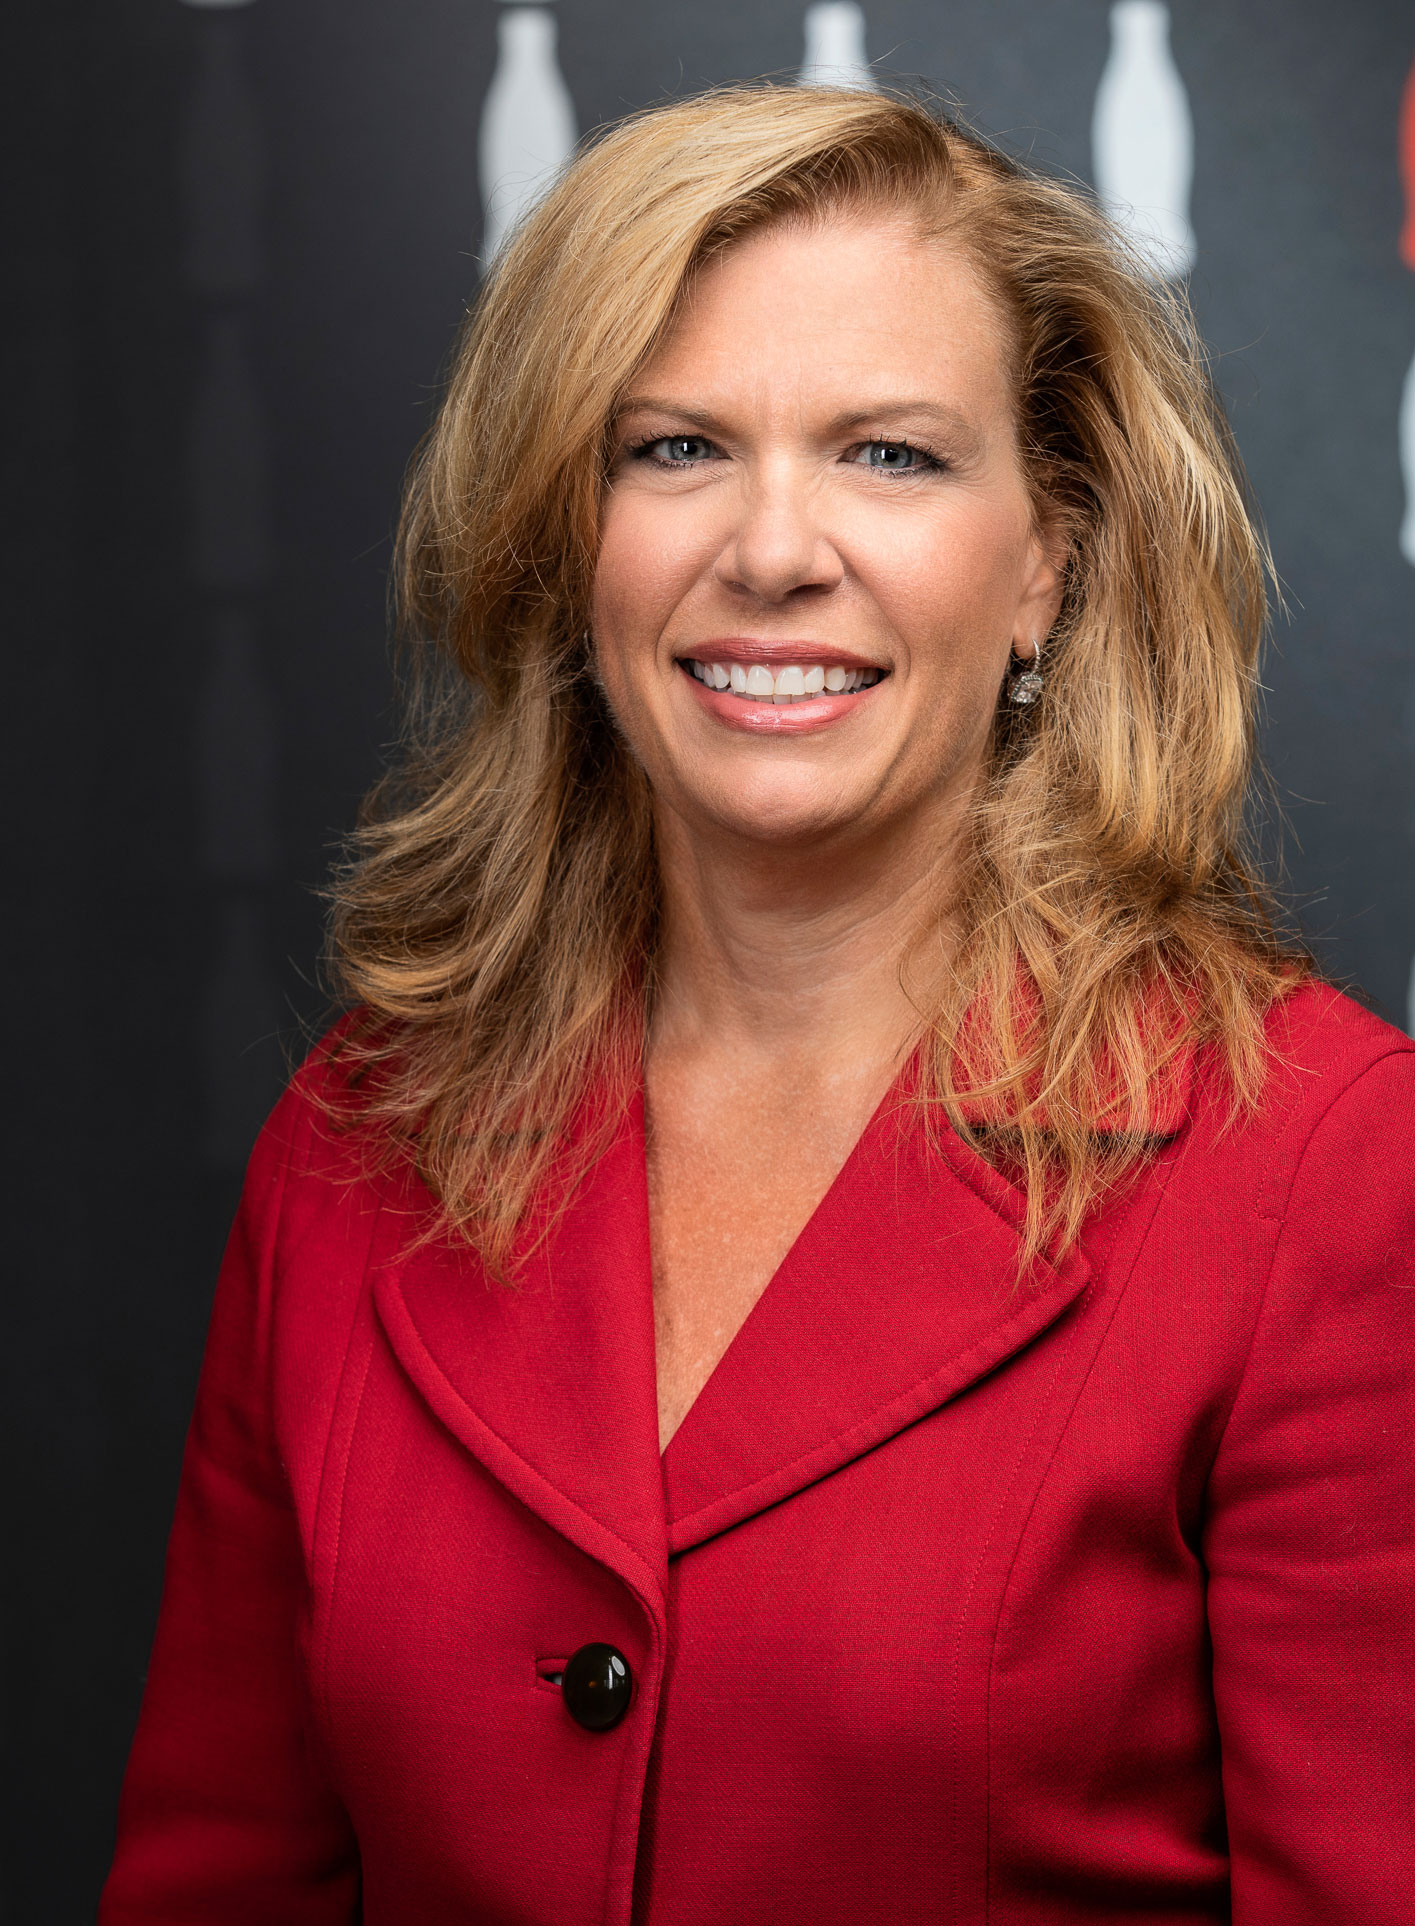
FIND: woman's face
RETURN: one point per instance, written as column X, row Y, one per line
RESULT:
column 817, row 499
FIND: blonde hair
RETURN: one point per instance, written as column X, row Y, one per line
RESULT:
column 497, row 920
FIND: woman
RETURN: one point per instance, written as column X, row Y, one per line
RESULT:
column 831, row 1339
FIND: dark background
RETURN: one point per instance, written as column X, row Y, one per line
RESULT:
column 239, row 239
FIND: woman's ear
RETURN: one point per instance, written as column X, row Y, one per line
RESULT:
column 1044, row 584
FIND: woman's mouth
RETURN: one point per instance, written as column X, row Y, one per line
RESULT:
column 786, row 684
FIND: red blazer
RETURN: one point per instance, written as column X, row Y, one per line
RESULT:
column 950, row 1601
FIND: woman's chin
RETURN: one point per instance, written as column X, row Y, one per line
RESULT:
column 789, row 815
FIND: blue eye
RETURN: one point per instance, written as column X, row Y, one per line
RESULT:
column 894, row 457
column 676, row 451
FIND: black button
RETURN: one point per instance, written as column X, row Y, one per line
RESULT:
column 598, row 1685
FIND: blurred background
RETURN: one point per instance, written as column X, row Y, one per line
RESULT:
column 240, row 236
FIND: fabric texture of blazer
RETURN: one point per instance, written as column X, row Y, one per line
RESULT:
column 952, row 1599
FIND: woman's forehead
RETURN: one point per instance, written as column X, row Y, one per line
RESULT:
column 864, row 313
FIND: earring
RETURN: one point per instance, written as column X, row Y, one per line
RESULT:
column 1027, row 686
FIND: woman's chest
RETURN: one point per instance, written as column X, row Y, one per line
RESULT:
column 852, row 1668
column 919, row 1564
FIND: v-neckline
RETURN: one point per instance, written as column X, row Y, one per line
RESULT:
column 901, row 1290
column 893, row 1099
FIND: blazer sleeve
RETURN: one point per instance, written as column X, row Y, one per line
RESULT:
column 1310, row 1537
column 225, row 1814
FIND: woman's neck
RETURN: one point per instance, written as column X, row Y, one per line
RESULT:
column 796, row 955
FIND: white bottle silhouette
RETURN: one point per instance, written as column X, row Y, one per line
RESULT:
column 1142, row 139
column 527, row 124
column 835, row 46
column 1407, row 463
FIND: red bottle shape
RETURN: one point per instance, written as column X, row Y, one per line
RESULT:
column 1407, row 169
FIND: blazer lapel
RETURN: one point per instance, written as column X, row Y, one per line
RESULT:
column 550, row 1382
column 901, row 1291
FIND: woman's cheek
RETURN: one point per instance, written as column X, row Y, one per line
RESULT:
column 642, row 569
column 954, row 577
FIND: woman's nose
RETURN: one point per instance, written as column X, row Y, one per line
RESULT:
column 778, row 545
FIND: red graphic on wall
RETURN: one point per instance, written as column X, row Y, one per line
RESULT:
column 1407, row 168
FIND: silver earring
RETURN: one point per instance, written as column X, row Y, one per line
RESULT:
column 1026, row 687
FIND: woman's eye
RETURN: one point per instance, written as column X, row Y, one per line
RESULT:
column 895, row 457
column 677, row 450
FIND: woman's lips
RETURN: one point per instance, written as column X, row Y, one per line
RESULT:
column 790, row 698
column 774, row 653
column 757, row 681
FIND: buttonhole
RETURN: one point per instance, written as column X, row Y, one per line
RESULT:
column 550, row 1672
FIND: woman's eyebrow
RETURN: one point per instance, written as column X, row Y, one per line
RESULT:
column 661, row 405
column 964, row 433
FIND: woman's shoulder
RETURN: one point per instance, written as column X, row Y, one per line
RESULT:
column 1325, row 1051
column 1328, row 1037
column 1337, row 1077
column 320, row 1157
column 1290, row 1219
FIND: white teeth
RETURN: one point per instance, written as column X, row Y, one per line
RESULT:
column 793, row 683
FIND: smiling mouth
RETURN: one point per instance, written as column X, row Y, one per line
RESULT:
column 792, row 682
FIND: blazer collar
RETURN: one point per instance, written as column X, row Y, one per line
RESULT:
column 901, row 1291
column 549, row 1381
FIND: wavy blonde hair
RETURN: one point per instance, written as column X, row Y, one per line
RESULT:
column 496, row 922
